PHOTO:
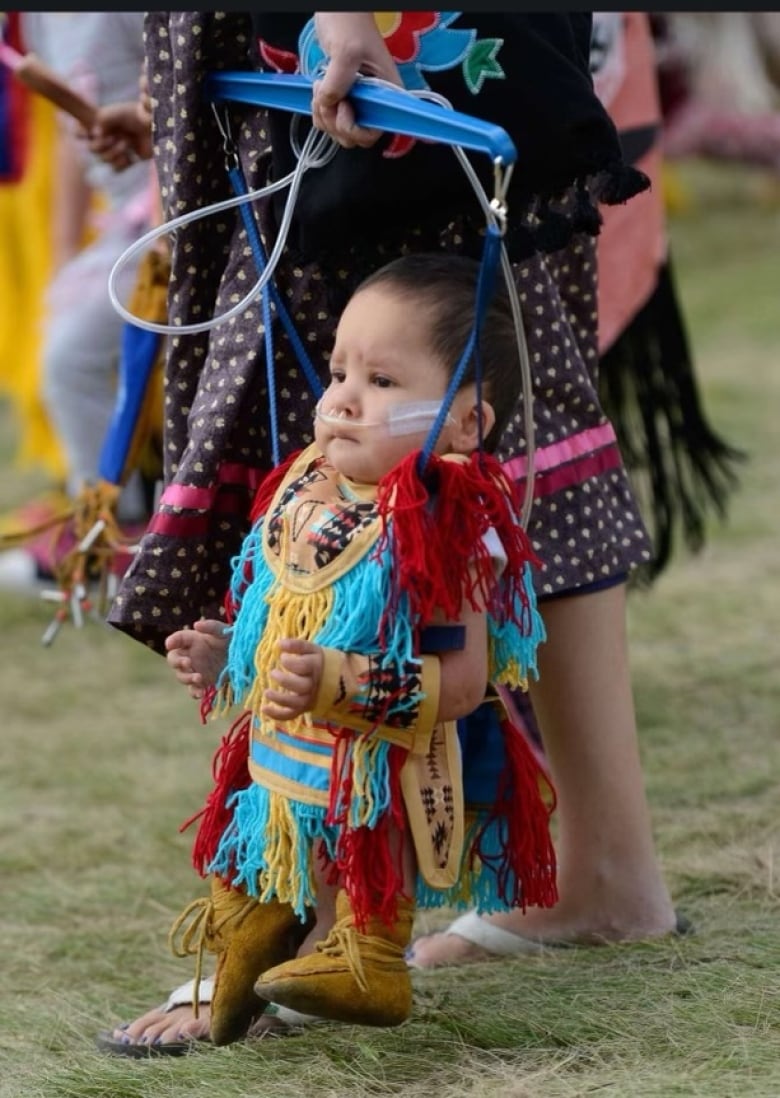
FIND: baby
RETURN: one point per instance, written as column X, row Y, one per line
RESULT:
column 379, row 593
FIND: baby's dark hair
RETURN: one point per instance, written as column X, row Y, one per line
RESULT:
column 446, row 285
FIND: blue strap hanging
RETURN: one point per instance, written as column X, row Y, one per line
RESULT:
column 491, row 254
column 238, row 183
column 253, row 233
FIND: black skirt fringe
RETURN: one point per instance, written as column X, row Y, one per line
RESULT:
column 681, row 469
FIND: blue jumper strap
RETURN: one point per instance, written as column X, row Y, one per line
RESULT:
column 247, row 215
column 486, row 282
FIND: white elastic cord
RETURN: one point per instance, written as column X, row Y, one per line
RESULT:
column 529, row 425
column 318, row 149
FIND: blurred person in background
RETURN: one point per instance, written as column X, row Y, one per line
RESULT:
column 28, row 136
column 719, row 77
column 97, row 213
column 682, row 470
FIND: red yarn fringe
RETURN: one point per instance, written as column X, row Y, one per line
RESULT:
column 230, row 771
column 368, row 860
column 438, row 525
column 524, row 803
column 207, row 703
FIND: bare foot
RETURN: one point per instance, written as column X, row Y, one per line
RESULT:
column 513, row 932
column 444, row 948
column 173, row 1024
column 165, row 1027
column 162, row 1026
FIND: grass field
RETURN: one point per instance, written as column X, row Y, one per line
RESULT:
column 103, row 758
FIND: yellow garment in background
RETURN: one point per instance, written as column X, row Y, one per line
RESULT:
column 25, row 270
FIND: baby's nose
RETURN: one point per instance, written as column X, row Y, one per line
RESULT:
column 336, row 408
column 342, row 411
column 344, row 403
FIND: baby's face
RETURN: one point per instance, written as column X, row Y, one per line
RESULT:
column 381, row 359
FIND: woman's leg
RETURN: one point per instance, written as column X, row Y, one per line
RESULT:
column 609, row 879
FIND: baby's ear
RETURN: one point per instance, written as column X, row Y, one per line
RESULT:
column 464, row 437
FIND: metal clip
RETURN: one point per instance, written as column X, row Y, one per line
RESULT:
column 228, row 144
column 502, row 173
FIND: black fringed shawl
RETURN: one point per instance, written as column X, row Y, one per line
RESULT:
column 682, row 470
column 541, row 94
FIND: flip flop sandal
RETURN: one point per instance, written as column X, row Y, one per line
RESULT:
column 497, row 942
column 181, row 996
column 107, row 1042
column 282, row 1022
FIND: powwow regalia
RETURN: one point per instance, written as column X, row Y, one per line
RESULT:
column 359, row 570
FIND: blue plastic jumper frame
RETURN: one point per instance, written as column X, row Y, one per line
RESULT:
column 376, row 106
column 394, row 110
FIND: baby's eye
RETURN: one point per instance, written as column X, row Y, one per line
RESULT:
column 382, row 381
column 336, row 375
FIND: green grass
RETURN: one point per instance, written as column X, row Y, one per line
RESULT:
column 103, row 759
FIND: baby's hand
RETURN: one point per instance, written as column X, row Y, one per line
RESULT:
column 198, row 655
column 297, row 678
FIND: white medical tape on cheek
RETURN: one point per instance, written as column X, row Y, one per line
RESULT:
column 413, row 417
